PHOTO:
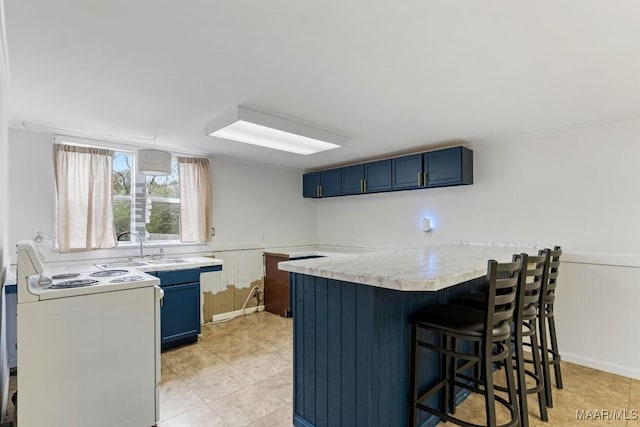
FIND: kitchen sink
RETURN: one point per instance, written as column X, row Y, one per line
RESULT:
column 167, row 261
column 118, row 264
column 145, row 263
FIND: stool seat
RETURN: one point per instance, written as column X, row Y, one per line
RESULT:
column 459, row 320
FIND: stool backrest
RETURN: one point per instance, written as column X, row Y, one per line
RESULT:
column 531, row 279
column 550, row 279
column 501, row 291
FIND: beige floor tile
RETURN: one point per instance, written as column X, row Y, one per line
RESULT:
column 202, row 416
column 232, row 347
column 282, row 417
column 262, row 366
column 247, row 405
column 190, row 359
column 212, row 384
column 270, row 339
column 280, row 385
column 176, row 398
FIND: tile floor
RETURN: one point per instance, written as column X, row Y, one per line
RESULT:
column 239, row 374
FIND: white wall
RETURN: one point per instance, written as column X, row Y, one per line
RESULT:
column 253, row 206
column 4, row 211
column 577, row 189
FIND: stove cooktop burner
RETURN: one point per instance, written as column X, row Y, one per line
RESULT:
column 127, row 279
column 109, row 273
column 65, row 276
column 74, row 284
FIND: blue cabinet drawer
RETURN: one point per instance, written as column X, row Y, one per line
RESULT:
column 175, row 277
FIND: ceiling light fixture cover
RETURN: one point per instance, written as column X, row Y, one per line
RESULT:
column 250, row 126
column 154, row 162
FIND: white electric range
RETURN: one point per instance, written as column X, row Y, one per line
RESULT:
column 88, row 345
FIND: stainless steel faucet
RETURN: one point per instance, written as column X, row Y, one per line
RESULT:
column 139, row 240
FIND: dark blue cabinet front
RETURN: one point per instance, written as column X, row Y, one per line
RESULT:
column 377, row 176
column 311, row 185
column 452, row 166
column 352, row 179
column 331, row 182
column 407, row 172
column 180, row 314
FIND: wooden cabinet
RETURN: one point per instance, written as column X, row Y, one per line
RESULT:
column 180, row 310
column 276, row 286
column 439, row 168
column 277, row 293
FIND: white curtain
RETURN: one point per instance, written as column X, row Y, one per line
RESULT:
column 85, row 198
column 195, row 199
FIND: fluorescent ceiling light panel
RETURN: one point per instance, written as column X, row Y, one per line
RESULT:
column 254, row 127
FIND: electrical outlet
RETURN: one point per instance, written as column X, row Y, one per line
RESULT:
column 213, row 231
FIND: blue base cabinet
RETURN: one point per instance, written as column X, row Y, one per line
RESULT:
column 180, row 310
column 351, row 352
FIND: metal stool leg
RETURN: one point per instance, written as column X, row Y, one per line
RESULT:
column 538, row 370
column 544, row 353
column 554, row 349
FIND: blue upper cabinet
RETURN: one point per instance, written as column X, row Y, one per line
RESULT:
column 407, row 172
column 311, row 184
column 331, row 182
column 439, row 168
column 353, row 179
column 377, row 176
column 451, row 166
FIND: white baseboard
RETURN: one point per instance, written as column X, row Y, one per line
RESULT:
column 602, row 365
column 231, row 314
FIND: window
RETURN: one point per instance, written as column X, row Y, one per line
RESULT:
column 146, row 205
column 100, row 194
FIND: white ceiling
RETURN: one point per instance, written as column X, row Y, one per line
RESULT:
column 392, row 76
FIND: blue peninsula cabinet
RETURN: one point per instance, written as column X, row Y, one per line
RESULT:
column 351, row 352
column 180, row 310
column 440, row 168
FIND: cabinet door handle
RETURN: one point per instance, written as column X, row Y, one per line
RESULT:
column 361, row 186
column 320, row 190
column 317, row 191
column 424, row 179
column 365, row 186
column 419, row 179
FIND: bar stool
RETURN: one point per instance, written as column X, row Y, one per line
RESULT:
column 489, row 328
column 525, row 320
column 549, row 283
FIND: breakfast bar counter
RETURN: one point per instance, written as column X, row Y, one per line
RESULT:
column 351, row 327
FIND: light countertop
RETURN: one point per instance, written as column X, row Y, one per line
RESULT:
column 417, row 269
column 316, row 250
